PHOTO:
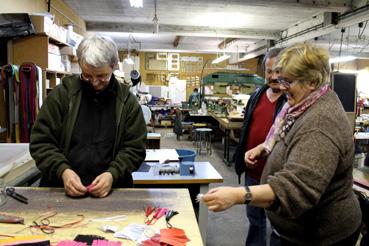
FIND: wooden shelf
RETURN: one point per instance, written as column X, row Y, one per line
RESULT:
column 58, row 72
column 218, row 95
column 57, row 42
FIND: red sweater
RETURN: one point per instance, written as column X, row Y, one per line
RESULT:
column 260, row 123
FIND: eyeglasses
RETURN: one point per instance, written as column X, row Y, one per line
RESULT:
column 100, row 78
column 286, row 82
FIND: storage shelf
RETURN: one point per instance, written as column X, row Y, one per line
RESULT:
column 57, row 42
column 58, row 72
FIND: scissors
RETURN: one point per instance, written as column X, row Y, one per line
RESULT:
column 44, row 226
column 10, row 191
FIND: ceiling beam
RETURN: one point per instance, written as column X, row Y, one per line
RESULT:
column 182, row 47
column 176, row 41
column 226, row 42
column 252, row 51
column 321, row 5
column 252, row 54
column 321, row 25
column 181, row 30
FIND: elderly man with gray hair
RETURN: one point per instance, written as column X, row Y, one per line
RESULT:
column 89, row 134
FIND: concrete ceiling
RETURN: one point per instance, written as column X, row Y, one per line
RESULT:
column 246, row 27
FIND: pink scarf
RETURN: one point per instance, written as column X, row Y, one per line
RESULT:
column 287, row 116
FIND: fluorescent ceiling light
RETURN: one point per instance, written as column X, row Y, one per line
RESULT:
column 136, row 3
column 341, row 59
column 220, row 59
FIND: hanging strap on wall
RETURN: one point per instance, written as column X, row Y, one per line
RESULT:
column 28, row 93
column 10, row 75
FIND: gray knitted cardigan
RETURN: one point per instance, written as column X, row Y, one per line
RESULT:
column 310, row 172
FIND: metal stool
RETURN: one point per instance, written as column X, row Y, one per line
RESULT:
column 203, row 139
column 187, row 127
column 193, row 134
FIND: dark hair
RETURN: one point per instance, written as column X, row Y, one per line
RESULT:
column 195, row 90
column 271, row 54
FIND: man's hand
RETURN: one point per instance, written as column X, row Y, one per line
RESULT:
column 102, row 184
column 72, row 183
column 252, row 155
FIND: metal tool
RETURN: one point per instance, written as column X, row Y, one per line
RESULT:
column 8, row 218
column 10, row 191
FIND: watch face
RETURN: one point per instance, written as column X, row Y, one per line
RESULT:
column 248, row 195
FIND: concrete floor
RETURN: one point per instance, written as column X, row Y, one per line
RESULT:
column 228, row 228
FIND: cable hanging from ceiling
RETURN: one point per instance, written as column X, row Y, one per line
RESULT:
column 155, row 20
column 131, row 40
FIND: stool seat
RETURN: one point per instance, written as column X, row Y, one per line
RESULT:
column 203, row 139
column 203, row 129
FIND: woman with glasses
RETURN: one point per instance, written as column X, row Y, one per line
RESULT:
column 306, row 186
column 90, row 132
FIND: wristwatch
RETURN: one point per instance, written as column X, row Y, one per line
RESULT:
column 248, row 195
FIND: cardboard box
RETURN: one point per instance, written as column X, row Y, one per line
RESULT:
column 65, row 60
column 42, row 23
column 166, row 123
column 67, row 50
column 54, row 62
column 59, row 33
column 54, row 49
column 73, row 38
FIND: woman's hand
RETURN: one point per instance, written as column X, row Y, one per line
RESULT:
column 252, row 155
column 222, row 198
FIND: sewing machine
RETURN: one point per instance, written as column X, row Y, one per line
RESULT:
column 183, row 169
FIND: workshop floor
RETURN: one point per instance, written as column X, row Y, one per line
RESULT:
column 226, row 228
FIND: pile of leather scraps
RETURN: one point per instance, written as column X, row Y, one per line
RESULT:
column 148, row 236
column 97, row 242
column 171, row 236
column 93, row 240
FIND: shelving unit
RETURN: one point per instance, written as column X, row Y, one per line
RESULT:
column 54, row 76
column 35, row 49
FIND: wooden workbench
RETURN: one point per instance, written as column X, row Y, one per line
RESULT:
column 128, row 202
column 227, row 125
column 205, row 174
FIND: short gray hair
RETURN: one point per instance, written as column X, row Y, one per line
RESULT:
column 98, row 51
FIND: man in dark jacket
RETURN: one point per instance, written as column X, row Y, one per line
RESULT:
column 261, row 109
column 89, row 134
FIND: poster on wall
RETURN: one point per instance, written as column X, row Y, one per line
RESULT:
column 177, row 92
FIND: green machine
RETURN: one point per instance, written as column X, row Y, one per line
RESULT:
column 247, row 83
